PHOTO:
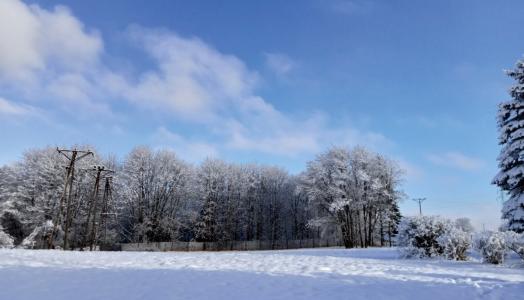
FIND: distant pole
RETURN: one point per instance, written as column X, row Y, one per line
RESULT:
column 419, row 200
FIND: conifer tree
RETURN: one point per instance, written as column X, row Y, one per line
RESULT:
column 511, row 159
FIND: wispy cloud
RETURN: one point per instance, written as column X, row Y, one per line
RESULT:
column 280, row 63
column 8, row 108
column 350, row 7
column 429, row 122
column 190, row 150
column 412, row 171
column 456, row 160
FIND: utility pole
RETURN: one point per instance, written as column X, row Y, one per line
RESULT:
column 419, row 200
column 90, row 233
column 107, row 197
column 72, row 156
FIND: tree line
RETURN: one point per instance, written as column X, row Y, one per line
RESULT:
column 154, row 196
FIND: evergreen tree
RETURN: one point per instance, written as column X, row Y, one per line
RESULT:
column 206, row 227
column 393, row 220
column 511, row 159
column 211, row 179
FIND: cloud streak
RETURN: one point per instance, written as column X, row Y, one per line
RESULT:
column 350, row 7
column 8, row 108
column 456, row 160
column 279, row 63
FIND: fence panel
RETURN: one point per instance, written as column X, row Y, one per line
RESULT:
column 228, row 245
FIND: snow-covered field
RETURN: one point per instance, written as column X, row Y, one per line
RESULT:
column 289, row 274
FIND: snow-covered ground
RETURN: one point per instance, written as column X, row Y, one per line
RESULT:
column 288, row 274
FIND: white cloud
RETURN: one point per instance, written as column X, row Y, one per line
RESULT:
column 284, row 135
column 70, row 87
column 189, row 80
column 279, row 63
column 456, row 160
column 35, row 40
column 49, row 56
column 199, row 84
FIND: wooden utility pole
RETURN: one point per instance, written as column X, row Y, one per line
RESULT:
column 90, row 234
column 72, row 156
column 419, row 200
column 92, row 202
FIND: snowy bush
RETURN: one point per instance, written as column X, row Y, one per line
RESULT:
column 492, row 246
column 455, row 242
column 6, row 241
column 418, row 236
column 37, row 238
column 515, row 242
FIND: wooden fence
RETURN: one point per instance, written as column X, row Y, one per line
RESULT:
column 230, row 246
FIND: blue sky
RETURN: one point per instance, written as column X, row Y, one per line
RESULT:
column 269, row 81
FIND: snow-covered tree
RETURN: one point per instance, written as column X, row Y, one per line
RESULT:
column 389, row 222
column 153, row 189
column 156, row 197
column 212, row 178
column 31, row 190
column 355, row 189
column 511, row 159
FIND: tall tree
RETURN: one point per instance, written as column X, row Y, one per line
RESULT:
column 511, row 159
column 154, row 186
column 354, row 189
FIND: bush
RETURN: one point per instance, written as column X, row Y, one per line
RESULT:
column 418, row 236
column 38, row 238
column 492, row 246
column 515, row 242
column 10, row 221
column 6, row 241
column 456, row 243
column 430, row 236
